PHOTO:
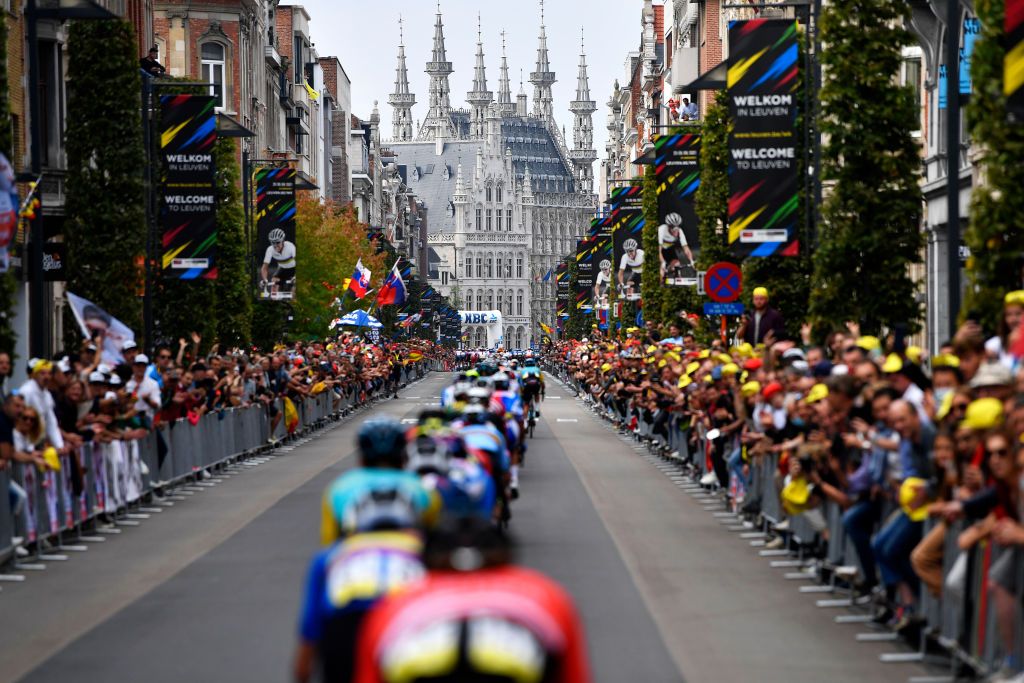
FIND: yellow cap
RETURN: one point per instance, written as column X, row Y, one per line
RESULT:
column 914, row 354
column 631, row 330
column 983, row 413
column 869, row 343
column 692, row 367
column 723, row 358
column 908, row 491
column 751, row 389
column 673, row 356
column 945, row 360
column 892, row 364
column 662, row 363
column 684, row 382
column 817, row 393
column 649, row 359
column 730, row 369
column 747, row 350
column 761, row 291
column 945, row 406
column 704, row 354
column 652, row 348
column 38, row 365
column 743, row 376
column 606, row 367
column 708, row 379
column 1015, row 298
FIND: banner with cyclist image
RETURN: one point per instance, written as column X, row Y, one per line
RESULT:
column 585, row 272
column 275, row 228
column 627, row 220
column 188, row 205
column 562, row 289
column 677, row 171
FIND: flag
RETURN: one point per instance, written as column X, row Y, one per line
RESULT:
column 544, row 328
column 291, row 416
column 92, row 319
column 360, row 282
column 393, row 290
column 313, row 94
column 547, row 276
column 415, row 356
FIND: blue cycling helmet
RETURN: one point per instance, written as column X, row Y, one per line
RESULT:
column 382, row 442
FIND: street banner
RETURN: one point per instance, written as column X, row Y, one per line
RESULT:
column 562, row 289
column 1013, row 62
column 627, row 223
column 94, row 320
column 188, row 204
column 764, row 182
column 677, row 173
column 275, row 230
column 585, row 272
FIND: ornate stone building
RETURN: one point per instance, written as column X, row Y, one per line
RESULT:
column 504, row 197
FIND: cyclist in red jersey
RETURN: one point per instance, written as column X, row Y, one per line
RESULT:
column 475, row 618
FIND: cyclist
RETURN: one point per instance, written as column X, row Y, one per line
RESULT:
column 476, row 617
column 371, row 519
column 280, row 254
column 673, row 246
column 378, row 490
column 631, row 268
column 602, row 282
column 439, row 457
column 532, row 380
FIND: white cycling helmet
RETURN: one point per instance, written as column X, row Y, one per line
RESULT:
column 674, row 220
column 605, row 264
column 630, row 245
column 276, row 236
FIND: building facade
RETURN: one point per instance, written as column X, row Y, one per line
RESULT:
column 503, row 196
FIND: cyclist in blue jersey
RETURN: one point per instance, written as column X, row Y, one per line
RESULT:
column 379, row 494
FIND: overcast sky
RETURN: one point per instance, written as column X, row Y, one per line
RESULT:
column 364, row 35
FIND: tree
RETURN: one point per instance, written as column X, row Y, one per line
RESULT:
column 105, row 226
column 7, row 282
column 996, row 232
column 233, row 289
column 871, row 232
column 329, row 240
column 651, row 286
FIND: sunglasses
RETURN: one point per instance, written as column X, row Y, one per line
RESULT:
column 958, row 406
column 999, row 452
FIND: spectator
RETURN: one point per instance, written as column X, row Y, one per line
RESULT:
column 5, row 374
column 37, row 396
column 689, row 110
column 149, row 64
column 144, row 389
column 766, row 325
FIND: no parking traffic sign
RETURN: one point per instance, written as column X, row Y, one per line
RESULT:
column 723, row 282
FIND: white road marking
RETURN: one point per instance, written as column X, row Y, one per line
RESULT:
column 567, row 419
column 409, row 421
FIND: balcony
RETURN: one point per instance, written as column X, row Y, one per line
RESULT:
column 297, row 122
column 285, row 90
column 272, row 56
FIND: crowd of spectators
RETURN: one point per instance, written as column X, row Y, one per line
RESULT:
column 77, row 398
column 869, row 424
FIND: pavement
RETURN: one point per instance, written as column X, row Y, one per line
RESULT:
column 209, row 589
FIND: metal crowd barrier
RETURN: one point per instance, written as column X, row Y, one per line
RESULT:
column 964, row 624
column 120, row 475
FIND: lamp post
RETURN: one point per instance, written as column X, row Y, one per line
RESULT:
column 58, row 10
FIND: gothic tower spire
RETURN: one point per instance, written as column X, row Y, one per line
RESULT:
column 402, row 99
column 521, row 103
column 582, row 154
column 542, row 77
column 505, row 104
column 479, row 97
column 438, row 124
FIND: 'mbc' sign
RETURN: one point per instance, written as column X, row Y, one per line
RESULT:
column 479, row 318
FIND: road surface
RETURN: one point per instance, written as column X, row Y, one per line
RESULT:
column 209, row 589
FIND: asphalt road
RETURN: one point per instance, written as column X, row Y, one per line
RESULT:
column 209, row 589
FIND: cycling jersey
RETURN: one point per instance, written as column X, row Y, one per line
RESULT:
column 506, row 623
column 368, row 497
column 344, row 581
column 513, row 404
column 633, row 265
column 466, row 489
column 284, row 259
column 667, row 240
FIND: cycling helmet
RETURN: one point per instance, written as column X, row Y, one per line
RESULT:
column 276, row 236
column 530, row 362
column 479, row 396
column 426, row 455
column 605, row 264
column 630, row 245
column 674, row 220
column 382, row 442
column 501, row 382
column 475, row 414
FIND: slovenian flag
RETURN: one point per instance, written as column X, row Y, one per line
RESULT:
column 393, row 290
column 360, row 282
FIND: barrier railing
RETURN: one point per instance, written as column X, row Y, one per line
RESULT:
column 962, row 622
column 52, row 517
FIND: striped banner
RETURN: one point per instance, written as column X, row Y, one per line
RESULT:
column 1013, row 62
column 763, row 167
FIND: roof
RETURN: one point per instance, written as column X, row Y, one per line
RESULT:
column 528, row 138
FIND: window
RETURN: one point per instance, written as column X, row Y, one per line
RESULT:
column 297, row 48
column 479, row 219
column 479, row 265
column 444, row 277
column 213, row 69
column 508, row 267
column 468, row 267
column 490, row 299
column 519, row 266
column 469, row 300
column 489, row 198
column 508, row 219
column 519, row 303
column 490, row 265
column 508, row 301
column 489, row 212
column 498, row 196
